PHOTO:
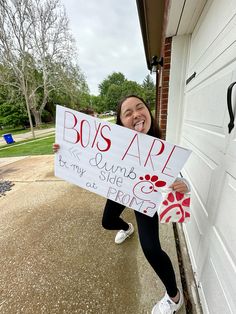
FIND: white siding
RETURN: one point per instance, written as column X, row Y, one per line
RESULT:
column 211, row 235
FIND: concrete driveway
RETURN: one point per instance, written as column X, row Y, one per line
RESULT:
column 55, row 256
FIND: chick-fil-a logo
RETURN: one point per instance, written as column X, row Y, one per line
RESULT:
column 86, row 133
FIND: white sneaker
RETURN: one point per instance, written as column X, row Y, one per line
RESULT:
column 122, row 234
column 168, row 306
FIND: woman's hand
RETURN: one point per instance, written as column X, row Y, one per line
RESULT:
column 179, row 186
column 55, row 147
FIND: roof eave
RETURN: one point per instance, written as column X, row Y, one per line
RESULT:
column 152, row 17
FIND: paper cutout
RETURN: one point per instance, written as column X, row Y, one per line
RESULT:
column 175, row 207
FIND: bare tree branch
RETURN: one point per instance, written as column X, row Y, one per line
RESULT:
column 34, row 40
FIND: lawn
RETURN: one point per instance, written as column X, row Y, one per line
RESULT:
column 42, row 146
column 22, row 130
column 13, row 131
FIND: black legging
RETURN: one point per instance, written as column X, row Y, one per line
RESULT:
column 148, row 229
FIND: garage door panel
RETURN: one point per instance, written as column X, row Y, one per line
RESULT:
column 219, row 54
column 219, row 25
column 200, row 212
column 206, row 104
column 198, row 209
column 213, row 291
column 225, row 222
column 222, row 65
column 211, row 144
column 193, row 238
column 225, row 268
column 230, row 164
column 200, row 170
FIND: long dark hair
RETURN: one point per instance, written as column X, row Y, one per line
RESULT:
column 154, row 128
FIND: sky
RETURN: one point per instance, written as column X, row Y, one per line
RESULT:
column 108, row 39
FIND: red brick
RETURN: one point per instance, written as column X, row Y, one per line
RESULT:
column 167, row 66
column 163, row 126
column 165, row 72
column 167, row 46
column 165, row 104
column 164, row 101
column 167, row 61
column 165, row 84
column 163, row 110
column 167, row 54
column 164, row 95
column 164, row 98
column 168, row 40
column 164, row 90
column 163, row 118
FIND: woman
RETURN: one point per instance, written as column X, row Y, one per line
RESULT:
column 133, row 113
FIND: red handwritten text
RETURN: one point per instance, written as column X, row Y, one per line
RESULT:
column 151, row 157
column 86, row 133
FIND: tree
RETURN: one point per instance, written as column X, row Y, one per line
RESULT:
column 36, row 47
column 14, row 28
column 115, row 87
column 116, row 78
column 54, row 46
column 132, row 88
column 149, row 90
column 12, row 108
column 96, row 103
column 71, row 88
column 13, row 114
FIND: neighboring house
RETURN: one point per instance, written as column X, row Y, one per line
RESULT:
column 198, row 40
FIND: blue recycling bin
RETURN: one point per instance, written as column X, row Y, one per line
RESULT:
column 8, row 138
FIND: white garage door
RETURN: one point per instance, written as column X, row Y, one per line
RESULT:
column 212, row 166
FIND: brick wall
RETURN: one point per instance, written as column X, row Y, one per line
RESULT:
column 162, row 102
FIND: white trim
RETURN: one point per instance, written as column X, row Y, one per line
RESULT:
column 179, row 55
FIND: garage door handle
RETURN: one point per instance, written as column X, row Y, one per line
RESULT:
column 230, row 109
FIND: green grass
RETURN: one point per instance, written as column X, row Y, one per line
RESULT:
column 22, row 130
column 12, row 131
column 113, row 120
column 41, row 146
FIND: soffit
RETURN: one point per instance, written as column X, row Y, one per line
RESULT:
column 183, row 16
column 151, row 18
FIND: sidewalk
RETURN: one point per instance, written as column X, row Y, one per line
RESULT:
column 28, row 135
column 56, row 257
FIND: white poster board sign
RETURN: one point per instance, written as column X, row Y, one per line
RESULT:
column 120, row 164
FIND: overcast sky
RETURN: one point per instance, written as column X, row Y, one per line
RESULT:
column 108, row 37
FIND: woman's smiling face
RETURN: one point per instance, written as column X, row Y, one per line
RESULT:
column 135, row 115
